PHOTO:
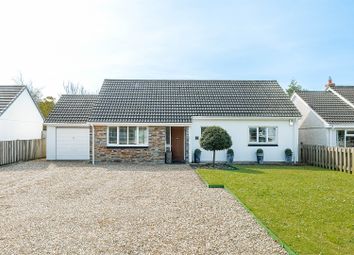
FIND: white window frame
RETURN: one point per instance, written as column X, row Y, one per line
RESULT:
column 136, row 137
column 345, row 136
column 266, row 142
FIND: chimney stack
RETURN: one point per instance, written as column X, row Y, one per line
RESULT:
column 330, row 83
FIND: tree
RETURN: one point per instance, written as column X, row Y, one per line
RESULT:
column 74, row 89
column 215, row 139
column 46, row 105
column 35, row 92
column 293, row 87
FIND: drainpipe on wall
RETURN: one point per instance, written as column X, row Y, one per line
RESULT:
column 93, row 144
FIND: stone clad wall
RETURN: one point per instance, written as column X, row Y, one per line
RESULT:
column 155, row 152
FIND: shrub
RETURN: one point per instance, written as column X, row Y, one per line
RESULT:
column 230, row 152
column 259, row 152
column 215, row 139
column 288, row 152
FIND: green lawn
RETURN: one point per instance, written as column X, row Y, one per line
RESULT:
column 310, row 209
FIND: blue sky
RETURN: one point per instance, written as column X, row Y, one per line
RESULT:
column 88, row 41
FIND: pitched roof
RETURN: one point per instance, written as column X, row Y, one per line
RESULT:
column 176, row 101
column 329, row 106
column 8, row 95
column 72, row 109
column 345, row 91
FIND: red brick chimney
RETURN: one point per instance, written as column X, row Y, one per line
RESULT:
column 330, row 83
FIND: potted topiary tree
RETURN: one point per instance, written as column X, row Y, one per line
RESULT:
column 215, row 139
column 260, row 156
column 288, row 155
column 197, row 154
column 230, row 156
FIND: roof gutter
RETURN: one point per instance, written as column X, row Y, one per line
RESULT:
column 139, row 124
column 243, row 118
column 67, row 124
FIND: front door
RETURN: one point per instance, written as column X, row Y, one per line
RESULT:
column 177, row 144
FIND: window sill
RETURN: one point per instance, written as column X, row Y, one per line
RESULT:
column 262, row 145
column 127, row 146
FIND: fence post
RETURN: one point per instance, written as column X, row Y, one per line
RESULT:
column 352, row 156
column 344, row 160
column 21, row 150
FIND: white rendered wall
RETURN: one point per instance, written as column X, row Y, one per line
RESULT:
column 239, row 132
column 314, row 136
column 332, row 137
column 22, row 120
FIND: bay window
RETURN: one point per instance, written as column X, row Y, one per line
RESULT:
column 263, row 135
column 127, row 136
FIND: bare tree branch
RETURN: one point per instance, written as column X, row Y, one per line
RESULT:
column 36, row 93
column 74, row 89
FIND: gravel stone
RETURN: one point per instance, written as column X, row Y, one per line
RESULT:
column 76, row 208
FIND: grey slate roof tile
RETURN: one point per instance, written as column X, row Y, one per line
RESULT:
column 329, row 106
column 176, row 101
column 8, row 95
column 346, row 91
column 72, row 109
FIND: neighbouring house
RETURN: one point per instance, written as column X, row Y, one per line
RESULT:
column 139, row 120
column 20, row 118
column 327, row 116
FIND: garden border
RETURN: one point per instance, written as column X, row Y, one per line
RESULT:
column 269, row 231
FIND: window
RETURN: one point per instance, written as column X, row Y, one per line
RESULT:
column 253, row 135
column 132, row 135
column 123, row 135
column 127, row 136
column 345, row 138
column 340, row 138
column 349, row 141
column 262, row 135
column 112, row 137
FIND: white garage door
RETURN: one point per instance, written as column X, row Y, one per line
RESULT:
column 73, row 144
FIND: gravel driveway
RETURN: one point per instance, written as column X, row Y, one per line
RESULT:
column 76, row 208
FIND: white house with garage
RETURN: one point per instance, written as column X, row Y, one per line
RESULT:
column 141, row 120
column 20, row 118
column 327, row 116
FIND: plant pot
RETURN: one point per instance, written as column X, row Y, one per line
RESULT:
column 260, row 159
column 196, row 158
column 168, row 157
column 289, row 158
column 230, row 158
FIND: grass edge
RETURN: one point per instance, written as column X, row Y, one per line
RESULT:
column 260, row 222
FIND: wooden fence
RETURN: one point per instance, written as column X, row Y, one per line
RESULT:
column 21, row 150
column 335, row 158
